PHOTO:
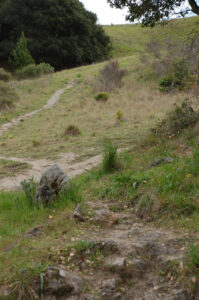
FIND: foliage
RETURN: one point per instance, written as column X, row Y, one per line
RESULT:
column 33, row 71
column 109, row 78
column 61, row 33
column 110, row 157
column 72, row 130
column 29, row 188
column 4, row 75
column 44, row 68
column 7, row 96
column 102, row 96
column 20, row 56
column 150, row 12
column 176, row 120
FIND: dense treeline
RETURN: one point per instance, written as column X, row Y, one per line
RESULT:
column 59, row 32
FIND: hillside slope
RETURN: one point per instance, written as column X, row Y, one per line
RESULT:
column 128, row 229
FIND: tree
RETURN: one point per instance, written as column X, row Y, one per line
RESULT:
column 59, row 32
column 21, row 56
column 152, row 11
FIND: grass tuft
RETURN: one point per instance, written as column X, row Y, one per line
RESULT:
column 110, row 157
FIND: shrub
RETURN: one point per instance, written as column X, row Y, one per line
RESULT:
column 7, row 96
column 180, row 118
column 29, row 71
column 110, row 157
column 4, row 75
column 119, row 116
column 109, row 78
column 45, row 68
column 72, row 130
column 102, row 96
column 33, row 71
column 29, row 188
column 21, row 56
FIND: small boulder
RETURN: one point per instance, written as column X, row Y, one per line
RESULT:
column 105, row 217
column 52, row 182
column 58, row 282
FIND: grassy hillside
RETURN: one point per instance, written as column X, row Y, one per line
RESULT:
column 155, row 179
column 131, row 39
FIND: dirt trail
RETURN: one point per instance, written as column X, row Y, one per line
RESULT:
column 66, row 161
column 51, row 102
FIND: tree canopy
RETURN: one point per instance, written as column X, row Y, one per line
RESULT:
column 152, row 11
column 60, row 32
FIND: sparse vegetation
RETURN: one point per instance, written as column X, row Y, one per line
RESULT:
column 178, row 119
column 8, row 96
column 11, row 168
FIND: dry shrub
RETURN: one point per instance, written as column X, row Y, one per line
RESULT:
column 176, row 120
column 109, row 78
column 72, row 130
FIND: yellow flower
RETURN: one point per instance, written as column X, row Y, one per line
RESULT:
column 188, row 175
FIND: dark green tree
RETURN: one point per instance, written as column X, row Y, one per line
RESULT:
column 59, row 32
column 152, row 11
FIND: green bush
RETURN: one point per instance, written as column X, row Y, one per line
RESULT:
column 102, row 96
column 21, row 56
column 33, row 71
column 178, row 119
column 45, row 68
column 30, row 71
column 7, row 96
column 166, row 83
column 110, row 157
column 4, row 75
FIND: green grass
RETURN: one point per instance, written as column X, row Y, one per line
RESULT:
column 131, row 39
column 18, row 216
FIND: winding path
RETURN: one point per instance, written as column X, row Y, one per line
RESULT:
column 67, row 161
column 51, row 102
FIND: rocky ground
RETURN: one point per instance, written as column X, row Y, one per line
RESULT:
column 117, row 257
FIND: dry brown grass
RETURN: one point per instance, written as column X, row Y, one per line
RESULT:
column 141, row 103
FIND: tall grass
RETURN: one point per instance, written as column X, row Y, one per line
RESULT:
column 110, row 157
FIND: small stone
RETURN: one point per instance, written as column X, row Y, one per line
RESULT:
column 105, row 217
column 59, row 282
column 77, row 214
